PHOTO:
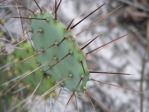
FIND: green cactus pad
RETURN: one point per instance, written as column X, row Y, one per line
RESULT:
column 48, row 32
column 29, row 64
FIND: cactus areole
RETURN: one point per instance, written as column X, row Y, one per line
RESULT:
column 51, row 37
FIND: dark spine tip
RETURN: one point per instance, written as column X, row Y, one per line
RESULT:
column 87, row 16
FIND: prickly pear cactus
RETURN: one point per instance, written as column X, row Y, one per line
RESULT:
column 20, row 68
column 28, row 84
column 55, row 57
column 56, row 60
column 67, row 58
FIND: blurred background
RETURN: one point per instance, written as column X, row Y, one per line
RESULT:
column 127, row 55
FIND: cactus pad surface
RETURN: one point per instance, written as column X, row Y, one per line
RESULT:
column 69, row 59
